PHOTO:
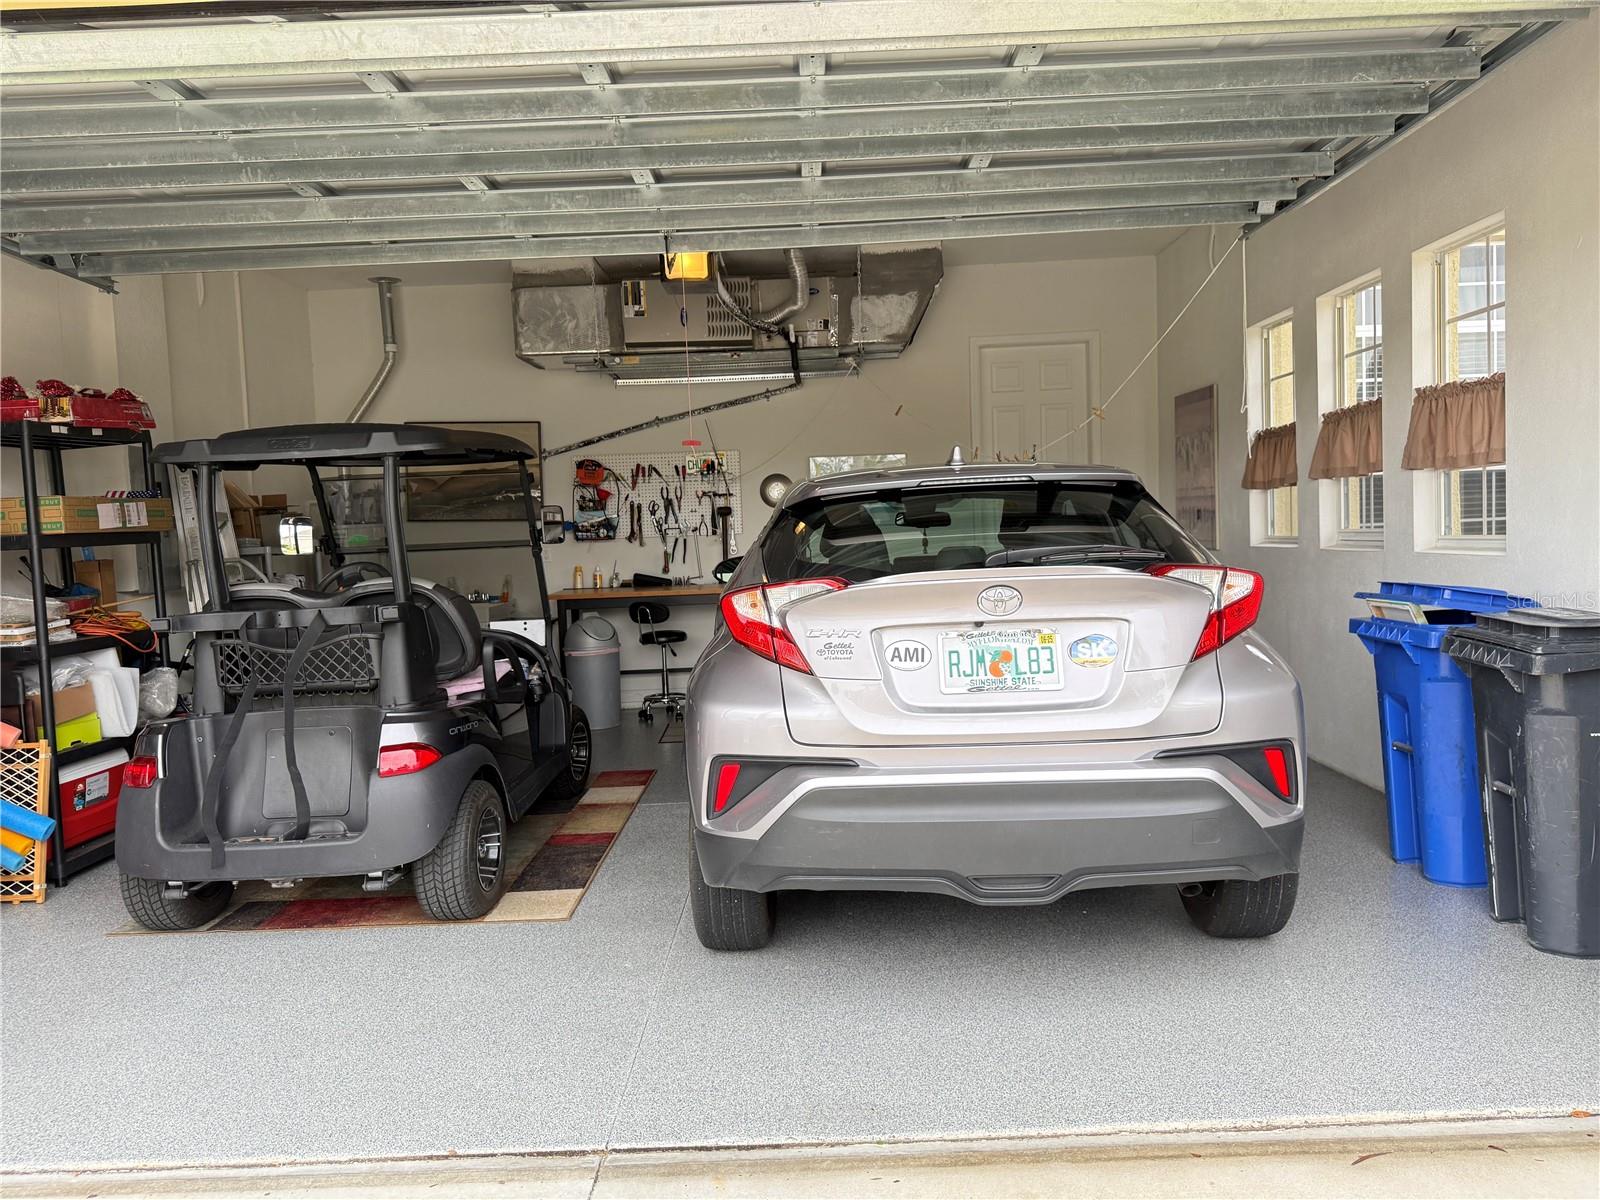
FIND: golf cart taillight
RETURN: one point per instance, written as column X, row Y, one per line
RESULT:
column 406, row 759
column 142, row 772
column 1235, row 600
column 755, row 618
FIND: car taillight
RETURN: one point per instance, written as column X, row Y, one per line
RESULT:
column 141, row 772
column 755, row 618
column 727, row 777
column 1235, row 600
column 405, row 759
column 1278, row 767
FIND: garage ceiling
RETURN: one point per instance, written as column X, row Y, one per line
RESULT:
column 224, row 136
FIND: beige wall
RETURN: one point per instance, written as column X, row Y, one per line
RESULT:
column 1521, row 145
column 457, row 362
column 52, row 327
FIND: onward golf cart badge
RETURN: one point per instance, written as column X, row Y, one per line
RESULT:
column 1000, row 600
column 1096, row 650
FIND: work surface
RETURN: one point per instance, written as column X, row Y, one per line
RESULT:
column 688, row 592
column 869, row 1017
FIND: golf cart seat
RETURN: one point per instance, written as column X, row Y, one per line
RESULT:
column 454, row 635
column 259, row 597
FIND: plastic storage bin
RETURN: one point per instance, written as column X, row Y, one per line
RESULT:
column 1430, row 766
column 593, row 654
column 1536, row 692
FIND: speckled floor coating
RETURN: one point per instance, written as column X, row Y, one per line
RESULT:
column 870, row 1016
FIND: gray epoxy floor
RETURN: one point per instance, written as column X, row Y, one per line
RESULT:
column 870, row 1016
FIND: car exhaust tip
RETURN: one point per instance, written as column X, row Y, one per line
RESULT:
column 1191, row 889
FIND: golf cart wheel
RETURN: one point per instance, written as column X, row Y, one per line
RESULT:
column 727, row 918
column 574, row 781
column 1243, row 908
column 464, row 876
column 147, row 904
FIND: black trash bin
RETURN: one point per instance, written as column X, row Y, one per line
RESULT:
column 1536, row 696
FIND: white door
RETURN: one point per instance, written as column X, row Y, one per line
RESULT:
column 1030, row 395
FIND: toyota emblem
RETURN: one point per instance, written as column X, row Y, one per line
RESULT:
column 1000, row 600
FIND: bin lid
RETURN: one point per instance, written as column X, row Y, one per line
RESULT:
column 1535, row 641
column 1444, row 595
column 591, row 635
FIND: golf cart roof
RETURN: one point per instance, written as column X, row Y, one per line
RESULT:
column 342, row 445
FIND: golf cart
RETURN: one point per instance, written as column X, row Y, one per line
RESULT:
column 360, row 728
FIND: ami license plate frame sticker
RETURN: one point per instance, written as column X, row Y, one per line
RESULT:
column 999, row 660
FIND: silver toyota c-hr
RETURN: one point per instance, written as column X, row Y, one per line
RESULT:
column 997, row 682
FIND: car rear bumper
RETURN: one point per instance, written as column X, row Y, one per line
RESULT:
column 1001, row 835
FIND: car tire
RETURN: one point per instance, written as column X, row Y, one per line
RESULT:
column 573, row 782
column 727, row 918
column 464, row 876
column 147, row 904
column 1243, row 908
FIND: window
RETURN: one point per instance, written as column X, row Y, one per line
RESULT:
column 1470, row 299
column 1277, row 408
column 866, row 535
column 1358, row 373
column 834, row 464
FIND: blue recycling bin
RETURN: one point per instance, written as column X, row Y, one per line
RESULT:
column 1430, row 754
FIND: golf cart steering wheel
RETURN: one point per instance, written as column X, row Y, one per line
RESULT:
column 340, row 578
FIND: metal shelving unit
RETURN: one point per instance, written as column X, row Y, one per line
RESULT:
column 33, row 438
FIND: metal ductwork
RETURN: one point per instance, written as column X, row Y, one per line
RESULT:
column 771, row 321
column 618, row 316
column 391, row 347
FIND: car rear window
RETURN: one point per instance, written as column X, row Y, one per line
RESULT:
column 867, row 535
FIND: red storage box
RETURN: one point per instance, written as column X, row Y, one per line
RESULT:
column 89, row 791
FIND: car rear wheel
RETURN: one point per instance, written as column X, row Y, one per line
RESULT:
column 464, row 876
column 1243, row 908
column 147, row 903
column 573, row 782
column 727, row 918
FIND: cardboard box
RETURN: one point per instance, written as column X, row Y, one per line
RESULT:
column 256, row 516
column 71, row 704
column 100, row 574
column 86, row 514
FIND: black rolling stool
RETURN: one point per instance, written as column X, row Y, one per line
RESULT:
column 648, row 615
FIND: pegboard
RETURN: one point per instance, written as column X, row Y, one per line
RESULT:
column 695, row 516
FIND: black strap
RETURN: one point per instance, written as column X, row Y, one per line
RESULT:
column 211, row 794
column 297, row 661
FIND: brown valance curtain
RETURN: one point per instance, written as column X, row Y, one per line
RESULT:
column 1273, row 461
column 1350, row 442
column 1457, row 424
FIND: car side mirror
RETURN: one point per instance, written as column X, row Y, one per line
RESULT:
column 295, row 536
column 553, row 519
column 724, row 570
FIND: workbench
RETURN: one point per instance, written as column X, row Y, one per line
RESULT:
column 574, row 602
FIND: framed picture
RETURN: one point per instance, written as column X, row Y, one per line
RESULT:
column 491, row 492
column 1194, row 451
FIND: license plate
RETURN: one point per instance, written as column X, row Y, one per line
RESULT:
column 999, row 660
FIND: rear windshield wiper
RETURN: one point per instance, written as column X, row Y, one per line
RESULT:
column 1050, row 554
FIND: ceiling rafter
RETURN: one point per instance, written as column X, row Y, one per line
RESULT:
column 764, row 238
column 606, row 129
column 662, row 218
column 19, row 180
column 880, row 87
column 737, row 30
column 98, row 216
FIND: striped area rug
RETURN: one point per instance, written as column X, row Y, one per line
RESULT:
column 552, row 858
